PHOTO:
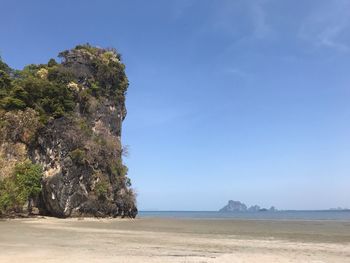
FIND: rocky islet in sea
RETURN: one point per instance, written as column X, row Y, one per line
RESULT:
column 237, row 206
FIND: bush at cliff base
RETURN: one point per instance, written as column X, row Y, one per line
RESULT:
column 17, row 189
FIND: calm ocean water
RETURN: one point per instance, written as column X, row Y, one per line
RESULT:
column 280, row 215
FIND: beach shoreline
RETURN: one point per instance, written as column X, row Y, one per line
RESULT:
column 172, row 240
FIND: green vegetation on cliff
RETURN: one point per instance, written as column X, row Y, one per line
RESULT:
column 51, row 88
column 20, row 187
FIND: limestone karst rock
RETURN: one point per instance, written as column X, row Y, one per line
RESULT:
column 237, row 206
column 234, row 206
column 67, row 117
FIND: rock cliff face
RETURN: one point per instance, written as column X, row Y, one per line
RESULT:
column 68, row 119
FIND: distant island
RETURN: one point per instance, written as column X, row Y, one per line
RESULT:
column 237, row 206
column 339, row 209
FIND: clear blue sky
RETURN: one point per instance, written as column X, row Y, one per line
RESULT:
column 229, row 99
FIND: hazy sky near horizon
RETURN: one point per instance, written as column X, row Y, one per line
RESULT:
column 228, row 99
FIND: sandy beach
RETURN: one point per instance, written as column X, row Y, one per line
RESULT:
column 173, row 240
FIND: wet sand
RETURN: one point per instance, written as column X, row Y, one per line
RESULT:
column 173, row 240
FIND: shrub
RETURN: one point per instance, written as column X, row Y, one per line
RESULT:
column 10, row 103
column 5, row 80
column 52, row 62
column 84, row 127
column 118, row 168
column 23, row 185
column 42, row 73
column 78, row 156
column 101, row 189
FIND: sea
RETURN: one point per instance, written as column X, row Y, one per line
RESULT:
column 339, row 215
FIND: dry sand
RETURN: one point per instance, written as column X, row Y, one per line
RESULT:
column 173, row 240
